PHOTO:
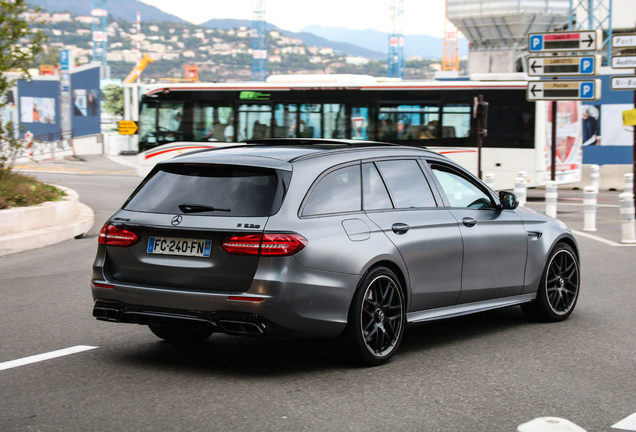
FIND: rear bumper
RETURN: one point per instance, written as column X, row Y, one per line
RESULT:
column 284, row 299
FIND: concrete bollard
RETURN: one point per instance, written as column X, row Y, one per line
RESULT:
column 629, row 183
column 551, row 196
column 520, row 190
column 594, row 175
column 627, row 217
column 490, row 180
column 589, row 208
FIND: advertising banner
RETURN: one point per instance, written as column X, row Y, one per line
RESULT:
column 568, row 138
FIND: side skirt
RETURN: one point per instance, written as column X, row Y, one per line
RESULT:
column 468, row 308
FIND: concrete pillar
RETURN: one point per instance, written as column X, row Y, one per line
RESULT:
column 520, row 190
column 627, row 217
column 629, row 183
column 551, row 196
column 489, row 179
column 594, row 175
column 589, row 208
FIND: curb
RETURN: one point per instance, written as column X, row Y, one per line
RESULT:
column 65, row 226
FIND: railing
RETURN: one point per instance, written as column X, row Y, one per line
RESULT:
column 50, row 143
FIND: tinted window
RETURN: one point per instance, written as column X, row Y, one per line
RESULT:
column 459, row 191
column 375, row 195
column 407, row 184
column 337, row 192
column 245, row 191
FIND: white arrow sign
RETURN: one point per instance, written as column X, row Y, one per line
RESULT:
column 623, row 83
column 564, row 90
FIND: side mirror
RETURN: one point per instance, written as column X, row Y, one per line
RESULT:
column 508, row 200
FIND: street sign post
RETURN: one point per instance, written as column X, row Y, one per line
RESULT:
column 564, row 66
column 566, row 41
column 627, row 82
column 589, row 90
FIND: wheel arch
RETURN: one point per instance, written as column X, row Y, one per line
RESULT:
column 398, row 271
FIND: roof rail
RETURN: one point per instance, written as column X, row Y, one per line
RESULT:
column 316, row 141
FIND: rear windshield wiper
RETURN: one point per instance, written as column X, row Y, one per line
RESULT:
column 199, row 208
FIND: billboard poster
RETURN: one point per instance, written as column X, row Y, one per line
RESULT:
column 85, row 99
column 86, row 102
column 37, row 110
column 569, row 152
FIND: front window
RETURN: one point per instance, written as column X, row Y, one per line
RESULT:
column 459, row 191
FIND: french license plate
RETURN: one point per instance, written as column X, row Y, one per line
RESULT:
column 179, row 246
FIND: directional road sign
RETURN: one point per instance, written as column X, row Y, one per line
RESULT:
column 127, row 127
column 626, row 82
column 624, row 62
column 564, row 90
column 624, row 41
column 564, row 66
column 588, row 40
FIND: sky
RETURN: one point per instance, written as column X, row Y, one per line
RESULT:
column 420, row 16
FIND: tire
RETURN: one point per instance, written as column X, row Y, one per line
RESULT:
column 559, row 287
column 376, row 320
column 179, row 334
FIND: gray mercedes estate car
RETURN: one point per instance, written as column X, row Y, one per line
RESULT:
column 330, row 238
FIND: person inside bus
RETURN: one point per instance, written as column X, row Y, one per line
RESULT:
column 259, row 130
column 389, row 131
column 228, row 132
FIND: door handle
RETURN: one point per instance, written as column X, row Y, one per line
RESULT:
column 400, row 228
column 469, row 222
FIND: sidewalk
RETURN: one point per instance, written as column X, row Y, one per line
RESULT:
column 83, row 165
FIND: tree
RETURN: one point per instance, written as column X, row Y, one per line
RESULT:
column 113, row 99
column 18, row 47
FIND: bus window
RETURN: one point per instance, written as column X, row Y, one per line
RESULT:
column 148, row 123
column 284, row 121
column 334, row 120
column 408, row 122
column 309, row 125
column 213, row 122
column 170, row 124
column 359, row 122
column 456, row 121
column 254, row 121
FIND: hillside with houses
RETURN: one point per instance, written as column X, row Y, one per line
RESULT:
column 221, row 54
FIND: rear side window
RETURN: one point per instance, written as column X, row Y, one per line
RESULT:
column 216, row 190
column 406, row 183
column 337, row 192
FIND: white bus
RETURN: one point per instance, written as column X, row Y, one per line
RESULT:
column 435, row 114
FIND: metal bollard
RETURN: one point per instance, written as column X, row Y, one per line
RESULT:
column 520, row 190
column 627, row 217
column 589, row 208
column 551, row 196
column 490, row 180
column 629, row 183
column 594, row 175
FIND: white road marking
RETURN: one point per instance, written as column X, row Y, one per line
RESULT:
column 45, row 356
column 628, row 423
column 600, row 239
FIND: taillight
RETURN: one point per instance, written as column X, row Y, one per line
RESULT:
column 114, row 236
column 264, row 244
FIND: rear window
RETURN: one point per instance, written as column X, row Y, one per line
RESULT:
column 214, row 190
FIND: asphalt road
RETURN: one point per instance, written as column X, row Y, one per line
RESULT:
column 487, row 372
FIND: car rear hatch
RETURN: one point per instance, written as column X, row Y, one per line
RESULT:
column 194, row 226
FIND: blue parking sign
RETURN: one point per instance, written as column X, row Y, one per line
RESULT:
column 587, row 90
column 64, row 60
column 536, row 43
column 586, row 66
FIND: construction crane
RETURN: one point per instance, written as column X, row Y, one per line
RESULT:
column 100, row 36
column 450, row 56
column 396, row 40
column 138, row 69
column 259, row 42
